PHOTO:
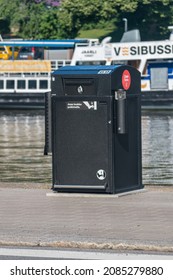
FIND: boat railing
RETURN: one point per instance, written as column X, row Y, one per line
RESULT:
column 55, row 64
column 89, row 43
column 24, row 74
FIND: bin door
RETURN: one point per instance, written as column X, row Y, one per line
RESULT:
column 82, row 150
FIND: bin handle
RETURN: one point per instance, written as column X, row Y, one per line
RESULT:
column 120, row 97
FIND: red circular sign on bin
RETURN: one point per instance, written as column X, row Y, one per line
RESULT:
column 126, row 79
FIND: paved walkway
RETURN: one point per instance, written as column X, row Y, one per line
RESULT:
column 33, row 216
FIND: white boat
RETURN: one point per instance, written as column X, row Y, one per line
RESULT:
column 25, row 87
column 154, row 60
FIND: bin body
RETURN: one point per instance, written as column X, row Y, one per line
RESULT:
column 96, row 129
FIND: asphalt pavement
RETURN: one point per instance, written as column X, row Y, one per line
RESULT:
column 33, row 215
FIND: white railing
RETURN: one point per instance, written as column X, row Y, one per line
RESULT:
column 20, row 84
column 55, row 64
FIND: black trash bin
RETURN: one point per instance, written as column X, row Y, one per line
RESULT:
column 96, row 129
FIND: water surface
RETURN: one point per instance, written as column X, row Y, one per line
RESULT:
column 157, row 143
column 22, row 147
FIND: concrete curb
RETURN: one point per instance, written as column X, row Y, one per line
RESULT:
column 92, row 246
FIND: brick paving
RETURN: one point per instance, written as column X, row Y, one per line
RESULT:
column 32, row 216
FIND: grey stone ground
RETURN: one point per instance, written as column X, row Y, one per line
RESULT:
column 31, row 215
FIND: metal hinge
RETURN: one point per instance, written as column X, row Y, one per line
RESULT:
column 120, row 94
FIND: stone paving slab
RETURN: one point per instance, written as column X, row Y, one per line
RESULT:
column 140, row 221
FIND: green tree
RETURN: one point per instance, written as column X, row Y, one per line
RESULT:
column 4, row 26
column 29, row 19
column 8, row 13
column 40, row 22
column 77, row 14
column 49, row 28
column 151, row 17
column 40, row 19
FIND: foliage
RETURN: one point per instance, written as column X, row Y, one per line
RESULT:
column 29, row 19
column 53, row 3
column 8, row 12
column 4, row 26
column 40, row 24
column 48, row 19
column 85, row 14
column 152, row 18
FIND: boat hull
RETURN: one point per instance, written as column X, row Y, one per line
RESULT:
column 36, row 100
column 22, row 100
column 157, row 100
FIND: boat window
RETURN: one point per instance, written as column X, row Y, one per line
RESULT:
column 159, row 78
column 100, row 62
column 15, row 49
column 134, row 63
column 21, row 84
column 32, row 84
column 43, row 84
column 1, row 84
column 114, row 62
column 10, row 84
column 2, row 49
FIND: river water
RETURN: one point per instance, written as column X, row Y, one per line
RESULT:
column 22, row 146
column 157, row 147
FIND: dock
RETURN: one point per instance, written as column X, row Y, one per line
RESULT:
column 33, row 215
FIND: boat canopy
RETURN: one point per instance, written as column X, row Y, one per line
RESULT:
column 61, row 44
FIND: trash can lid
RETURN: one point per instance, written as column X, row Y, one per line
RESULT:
column 87, row 69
